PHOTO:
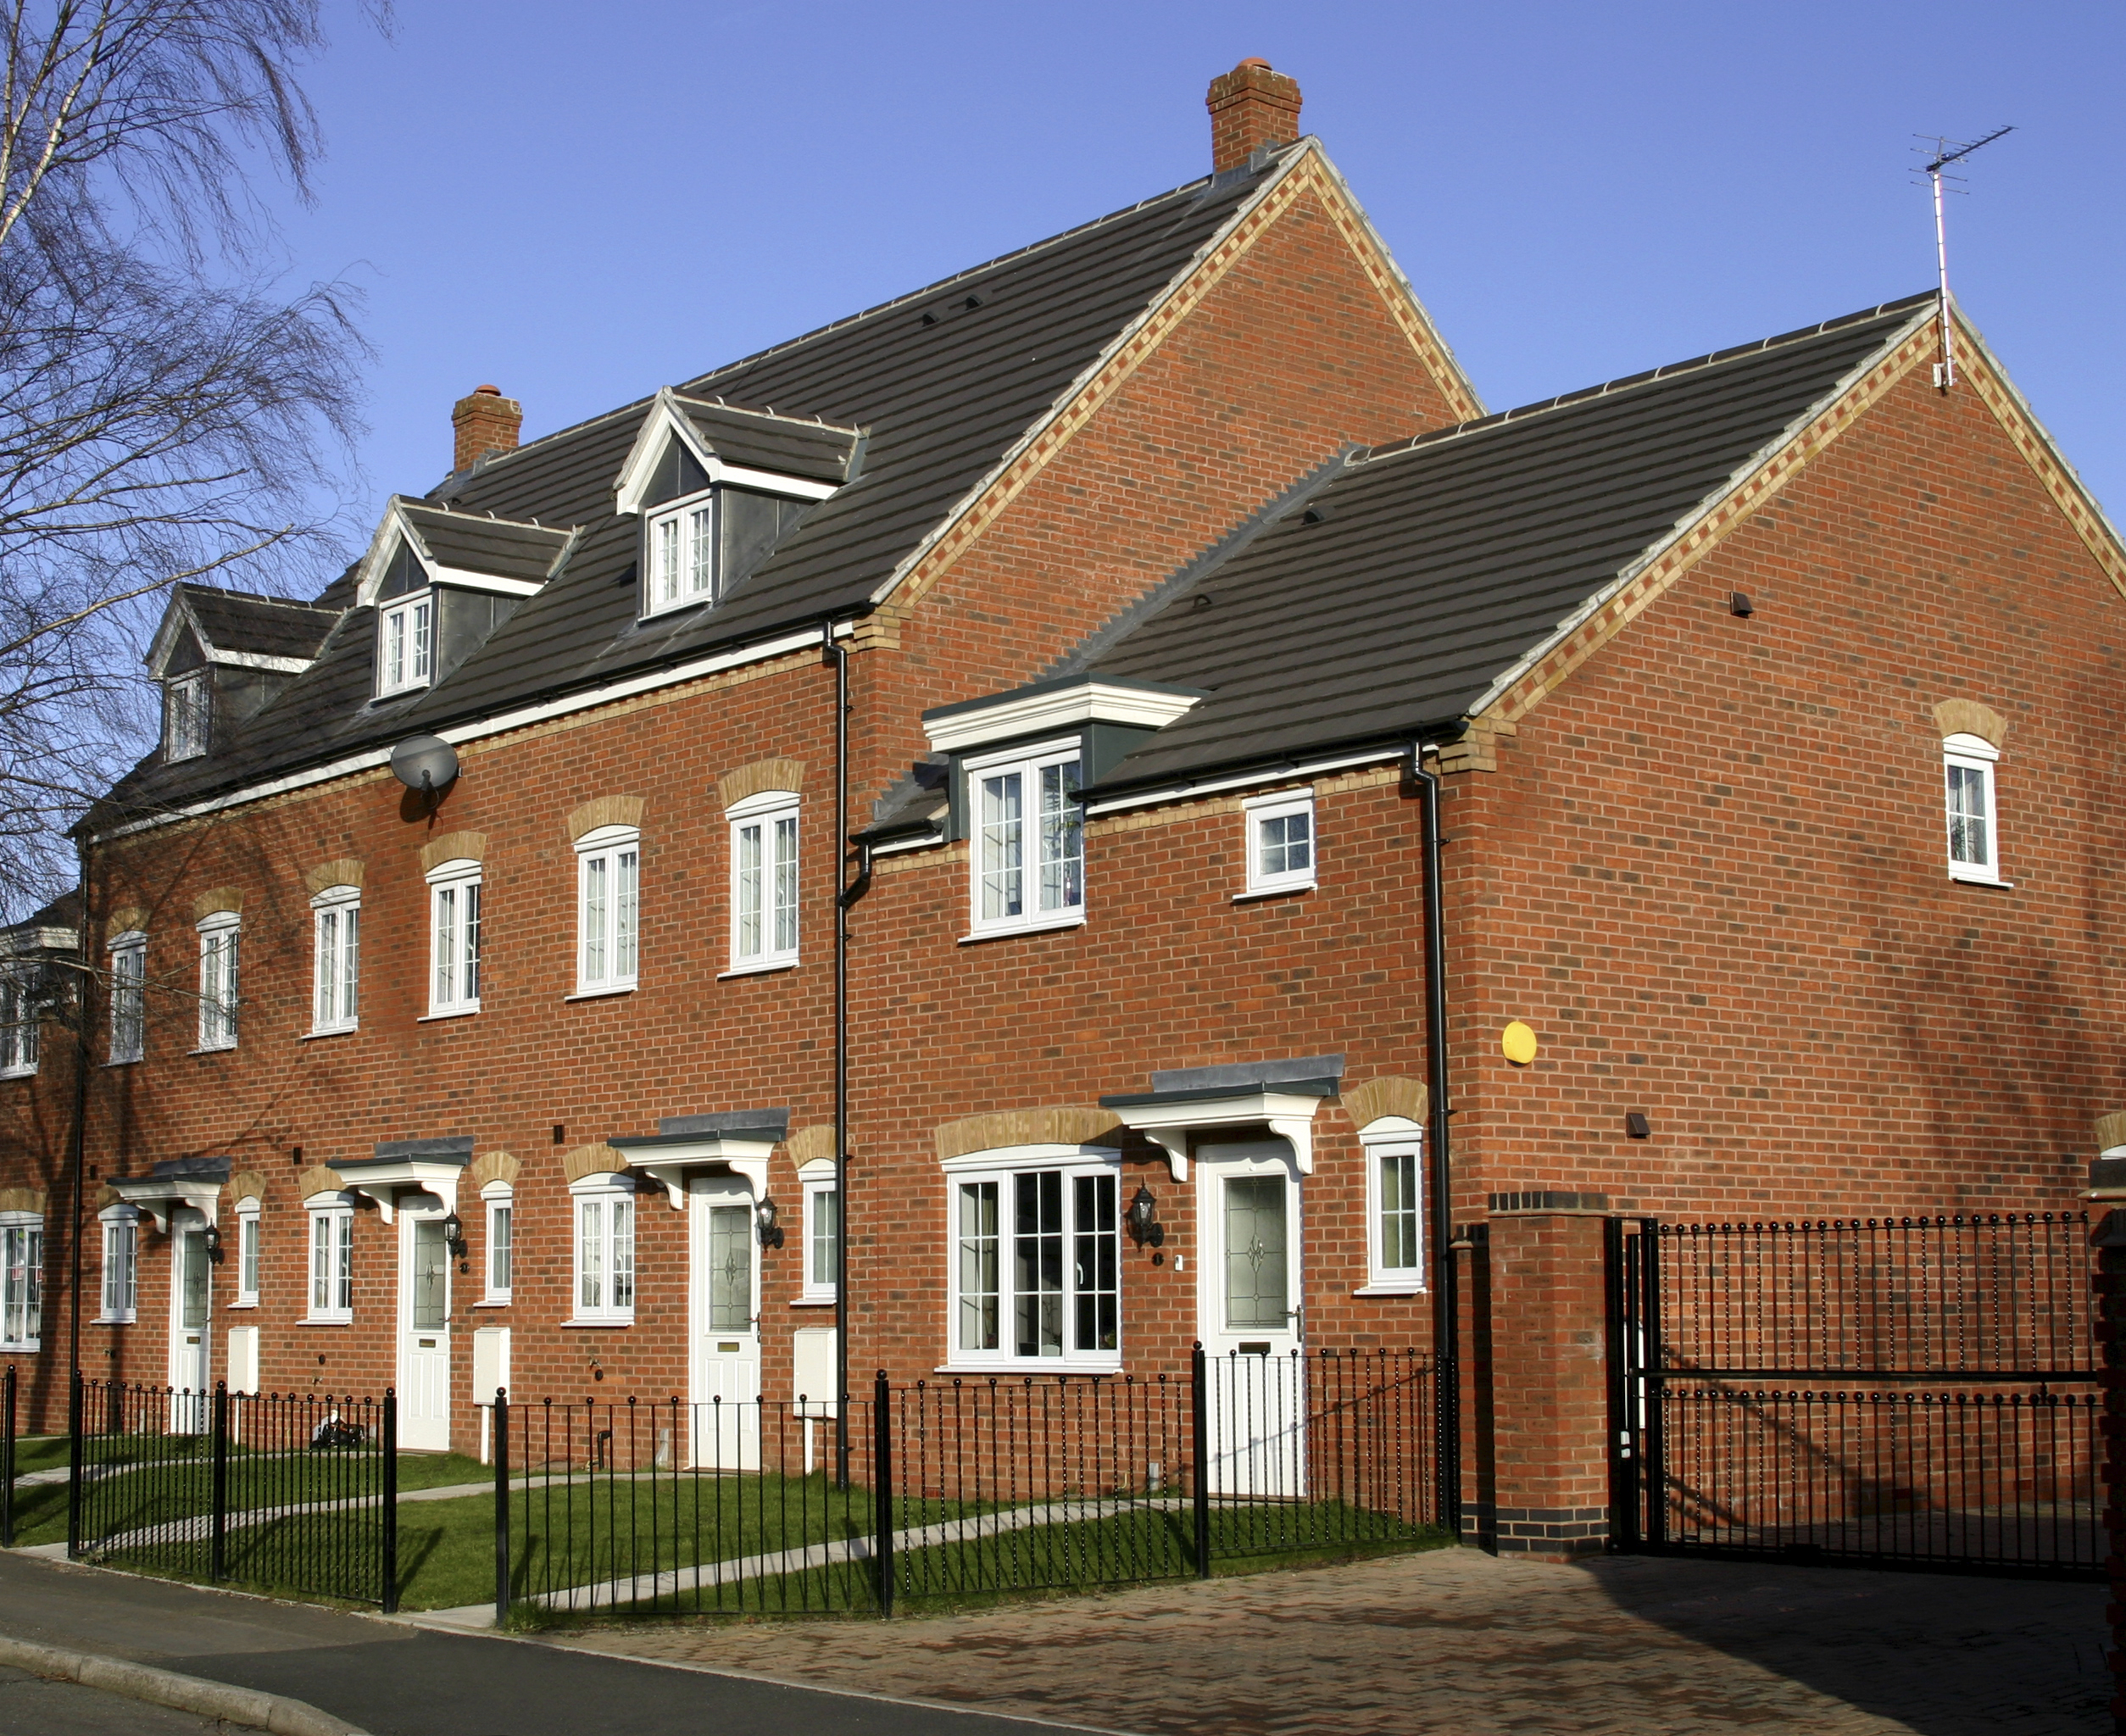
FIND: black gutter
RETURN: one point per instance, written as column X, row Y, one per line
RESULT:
column 1446, row 1308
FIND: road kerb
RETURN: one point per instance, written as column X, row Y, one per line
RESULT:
column 251, row 1707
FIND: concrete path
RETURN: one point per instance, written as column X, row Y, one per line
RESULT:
column 1456, row 1643
column 30, row 1706
column 394, row 1680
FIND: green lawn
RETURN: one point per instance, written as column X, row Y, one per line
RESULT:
column 38, row 1452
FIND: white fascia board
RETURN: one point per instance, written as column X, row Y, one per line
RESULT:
column 258, row 660
column 19, row 943
column 465, row 581
column 370, row 574
column 668, row 418
column 1738, row 479
column 1092, row 371
column 667, row 1164
column 1222, row 786
column 1082, row 702
column 898, row 845
column 375, row 759
column 1289, row 1114
column 768, row 481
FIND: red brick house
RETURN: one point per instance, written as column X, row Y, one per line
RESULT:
column 1125, row 603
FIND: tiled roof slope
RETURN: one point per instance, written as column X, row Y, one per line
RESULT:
column 268, row 626
column 941, row 390
column 473, row 542
column 1434, row 565
column 778, row 443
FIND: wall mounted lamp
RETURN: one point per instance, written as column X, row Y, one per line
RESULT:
column 766, row 1213
column 1143, row 1218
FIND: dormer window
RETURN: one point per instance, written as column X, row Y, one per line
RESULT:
column 682, row 554
column 188, row 705
column 406, row 657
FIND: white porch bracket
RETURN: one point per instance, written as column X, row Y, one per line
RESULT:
column 1282, row 1096
column 740, row 1141
column 433, row 1166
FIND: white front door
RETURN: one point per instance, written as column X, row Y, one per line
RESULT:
column 424, row 1329
column 1250, row 1319
column 191, row 1325
column 725, row 1326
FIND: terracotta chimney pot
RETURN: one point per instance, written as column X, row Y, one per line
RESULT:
column 1251, row 106
column 485, row 422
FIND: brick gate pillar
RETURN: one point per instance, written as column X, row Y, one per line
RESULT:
column 1548, row 1452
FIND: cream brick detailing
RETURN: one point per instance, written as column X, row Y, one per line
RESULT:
column 1476, row 751
column 1025, row 1126
column 221, row 900
column 127, row 919
column 734, row 787
column 454, row 846
column 1691, row 543
column 347, row 871
column 107, row 1197
column 22, row 1199
column 1967, row 717
column 1387, row 1096
column 592, row 1160
column 812, row 1144
column 246, row 1184
column 880, row 630
column 492, row 1166
column 1306, row 175
column 2111, row 1130
column 318, row 1178
column 605, row 810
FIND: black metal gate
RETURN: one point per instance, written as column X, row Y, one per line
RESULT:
column 1914, row 1392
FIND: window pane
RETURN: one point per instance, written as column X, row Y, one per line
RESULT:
column 749, row 890
column 1286, row 844
column 432, row 1275
column 446, row 990
column 498, row 1249
column 350, row 963
column 129, row 1007
column 627, row 913
column 701, row 551
column 320, row 1263
column 1062, row 839
column 730, row 1268
column 1003, row 848
column 1037, row 1262
column 623, row 1254
column 247, row 1255
column 395, row 648
column 1968, row 843
column 424, row 616
column 785, row 884
column 825, row 1221
column 594, row 919
column 590, row 1257
column 328, row 967
column 471, row 954
column 1254, row 1253
column 666, row 560
column 1399, row 1211
column 978, row 1266
column 1095, row 1264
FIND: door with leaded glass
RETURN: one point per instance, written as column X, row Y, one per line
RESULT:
column 726, row 1323
column 1250, row 1319
column 190, row 1336
column 424, row 1326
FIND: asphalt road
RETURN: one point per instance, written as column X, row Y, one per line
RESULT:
column 32, row 1707
column 393, row 1680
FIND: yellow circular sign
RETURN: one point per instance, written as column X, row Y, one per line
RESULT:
column 1518, row 1042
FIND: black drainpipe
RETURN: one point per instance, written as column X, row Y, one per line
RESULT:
column 1445, row 1311
column 77, row 1135
column 846, row 893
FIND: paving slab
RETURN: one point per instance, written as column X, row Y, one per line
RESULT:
column 1455, row 1641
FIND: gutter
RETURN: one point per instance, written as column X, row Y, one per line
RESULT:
column 1446, row 1303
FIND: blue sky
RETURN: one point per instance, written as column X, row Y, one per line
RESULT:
column 583, row 202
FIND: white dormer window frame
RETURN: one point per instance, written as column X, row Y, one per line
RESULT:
column 406, row 643
column 679, row 553
column 1026, row 837
column 188, row 713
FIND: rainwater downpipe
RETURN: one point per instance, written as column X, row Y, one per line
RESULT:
column 846, row 893
column 1445, row 1309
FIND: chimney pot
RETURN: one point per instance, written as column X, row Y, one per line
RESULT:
column 485, row 422
column 1252, row 106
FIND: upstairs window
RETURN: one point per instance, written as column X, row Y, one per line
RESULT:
column 1028, row 858
column 336, row 958
column 764, row 881
column 608, row 909
column 187, row 705
column 682, row 554
column 1968, row 765
column 1280, row 842
column 18, row 1025
column 453, row 939
column 406, row 657
column 129, row 997
column 217, row 939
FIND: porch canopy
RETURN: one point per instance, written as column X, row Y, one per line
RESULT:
column 739, row 1140
column 433, row 1166
column 173, row 1185
column 1281, row 1094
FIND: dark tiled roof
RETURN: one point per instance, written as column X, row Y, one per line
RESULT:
column 942, row 382
column 479, row 544
column 779, row 443
column 270, row 626
column 1394, row 595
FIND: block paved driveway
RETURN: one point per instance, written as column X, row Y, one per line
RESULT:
column 1455, row 1641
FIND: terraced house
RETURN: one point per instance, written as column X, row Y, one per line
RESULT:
column 952, row 827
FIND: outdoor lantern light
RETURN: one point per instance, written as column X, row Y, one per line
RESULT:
column 213, row 1240
column 453, row 1229
column 1143, row 1225
column 771, row 1231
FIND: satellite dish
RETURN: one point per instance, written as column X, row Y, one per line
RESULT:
column 424, row 762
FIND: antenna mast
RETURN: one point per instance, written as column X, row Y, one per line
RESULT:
column 1945, row 369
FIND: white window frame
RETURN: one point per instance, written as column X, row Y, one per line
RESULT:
column 118, row 1281
column 336, row 960
column 188, row 713
column 598, row 1206
column 1393, row 1136
column 406, row 643
column 456, row 887
column 328, row 1259
column 772, row 899
column 498, row 1202
column 1003, row 1167
column 820, row 1183
column 249, row 1254
column 1035, row 913
column 19, row 1029
column 220, row 990
column 1256, row 812
column 21, row 1280
column 1973, row 754
column 128, row 997
column 679, row 553
column 608, row 910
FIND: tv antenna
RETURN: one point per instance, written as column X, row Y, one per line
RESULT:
column 1945, row 152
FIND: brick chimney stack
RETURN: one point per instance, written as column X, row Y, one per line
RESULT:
column 1250, row 106
column 485, row 422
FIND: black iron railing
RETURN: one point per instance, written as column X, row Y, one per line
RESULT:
column 9, row 1392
